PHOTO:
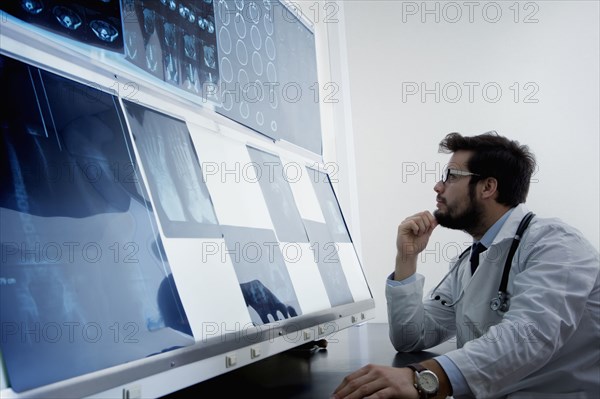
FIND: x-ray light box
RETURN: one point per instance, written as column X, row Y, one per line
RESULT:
column 147, row 234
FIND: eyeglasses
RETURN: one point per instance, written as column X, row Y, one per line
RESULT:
column 451, row 175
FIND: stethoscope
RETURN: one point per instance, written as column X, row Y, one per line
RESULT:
column 501, row 302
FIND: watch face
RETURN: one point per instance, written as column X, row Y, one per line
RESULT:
column 428, row 382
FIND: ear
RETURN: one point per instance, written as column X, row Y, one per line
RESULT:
column 488, row 188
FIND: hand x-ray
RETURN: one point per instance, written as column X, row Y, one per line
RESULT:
column 261, row 270
column 167, row 153
column 84, row 280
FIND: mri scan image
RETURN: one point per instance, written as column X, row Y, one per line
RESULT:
column 96, row 23
column 268, row 72
column 173, row 41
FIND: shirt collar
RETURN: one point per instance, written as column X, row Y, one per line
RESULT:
column 492, row 232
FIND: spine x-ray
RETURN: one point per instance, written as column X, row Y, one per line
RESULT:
column 84, row 281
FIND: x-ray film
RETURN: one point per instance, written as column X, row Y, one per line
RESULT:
column 329, row 205
column 326, row 255
column 174, row 41
column 167, row 153
column 268, row 71
column 96, row 23
column 278, row 196
column 261, row 271
column 84, row 281
column 230, row 177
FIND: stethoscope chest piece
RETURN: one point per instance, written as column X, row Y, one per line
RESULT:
column 501, row 302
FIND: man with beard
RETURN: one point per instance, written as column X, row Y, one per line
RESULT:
column 528, row 326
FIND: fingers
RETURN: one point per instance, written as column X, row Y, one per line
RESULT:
column 418, row 224
column 377, row 381
column 362, row 383
column 349, row 383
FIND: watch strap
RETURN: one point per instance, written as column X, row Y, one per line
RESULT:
column 419, row 368
column 416, row 367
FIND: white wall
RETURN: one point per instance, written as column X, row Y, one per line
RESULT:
column 549, row 49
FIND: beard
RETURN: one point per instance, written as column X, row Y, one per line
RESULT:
column 467, row 221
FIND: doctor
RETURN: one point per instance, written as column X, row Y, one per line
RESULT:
column 539, row 338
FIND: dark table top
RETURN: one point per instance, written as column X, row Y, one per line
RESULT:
column 311, row 373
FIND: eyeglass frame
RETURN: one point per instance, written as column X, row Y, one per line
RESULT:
column 455, row 172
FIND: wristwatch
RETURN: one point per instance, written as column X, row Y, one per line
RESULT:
column 426, row 381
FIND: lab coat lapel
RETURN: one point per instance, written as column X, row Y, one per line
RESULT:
column 474, row 314
column 509, row 228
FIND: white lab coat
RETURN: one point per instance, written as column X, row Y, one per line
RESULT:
column 547, row 345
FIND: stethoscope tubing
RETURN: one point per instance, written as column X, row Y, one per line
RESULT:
column 501, row 302
column 452, row 269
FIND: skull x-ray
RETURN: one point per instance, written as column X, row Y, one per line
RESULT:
column 84, row 280
column 167, row 153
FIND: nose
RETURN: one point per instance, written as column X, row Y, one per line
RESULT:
column 439, row 187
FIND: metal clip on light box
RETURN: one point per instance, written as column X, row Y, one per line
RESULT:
column 502, row 301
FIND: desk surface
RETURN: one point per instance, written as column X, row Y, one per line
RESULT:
column 312, row 374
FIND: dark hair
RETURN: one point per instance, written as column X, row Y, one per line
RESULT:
column 509, row 162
